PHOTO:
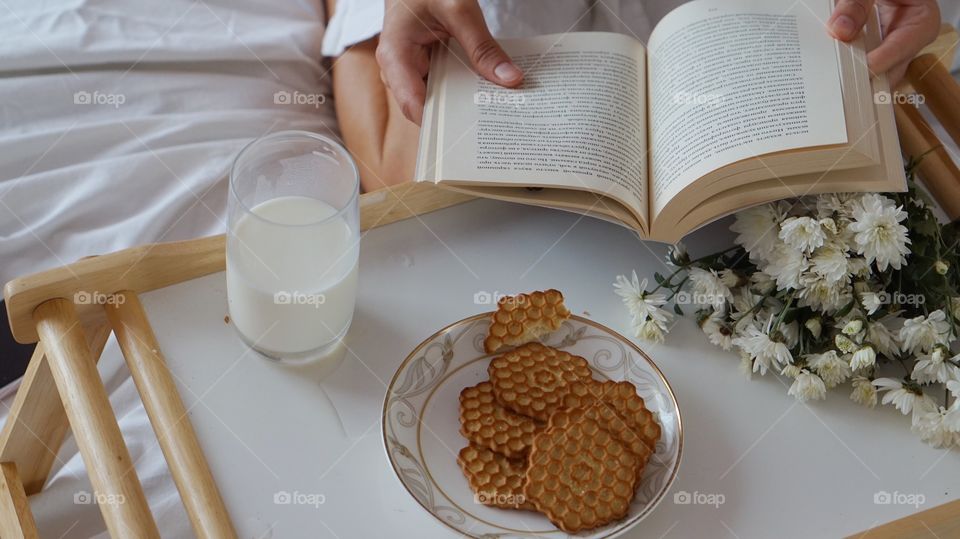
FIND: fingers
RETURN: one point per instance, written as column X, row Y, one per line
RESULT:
column 903, row 41
column 465, row 22
column 403, row 67
column 848, row 18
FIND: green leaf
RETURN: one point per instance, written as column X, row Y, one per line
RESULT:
column 677, row 309
column 657, row 277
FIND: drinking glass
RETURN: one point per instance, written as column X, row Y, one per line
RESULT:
column 293, row 243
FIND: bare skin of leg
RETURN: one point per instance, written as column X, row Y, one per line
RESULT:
column 382, row 141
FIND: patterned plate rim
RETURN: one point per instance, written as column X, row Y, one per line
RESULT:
column 470, row 319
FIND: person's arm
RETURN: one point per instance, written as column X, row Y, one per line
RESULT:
column 382, row 141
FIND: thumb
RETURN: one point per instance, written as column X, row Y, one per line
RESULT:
column 468, row 27
column 849, row 17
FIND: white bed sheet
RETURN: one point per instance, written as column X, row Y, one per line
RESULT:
column 182, row 85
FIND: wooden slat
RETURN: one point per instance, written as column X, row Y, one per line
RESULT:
column 940, row 91
column 168, row 416
column 16, row 518
column 940, row 521
column 936, row 169
column 37, row 423
column 149, row 267
column 115, row 483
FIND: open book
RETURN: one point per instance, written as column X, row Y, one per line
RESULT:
column 732, row 103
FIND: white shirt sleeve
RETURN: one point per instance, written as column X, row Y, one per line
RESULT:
column 353, row 21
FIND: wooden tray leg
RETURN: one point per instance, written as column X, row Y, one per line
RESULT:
column 37, row 423
column 16, row 519
column 157, row 389
column 94, row 426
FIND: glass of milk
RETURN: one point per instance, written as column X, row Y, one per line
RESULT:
column 293, row 242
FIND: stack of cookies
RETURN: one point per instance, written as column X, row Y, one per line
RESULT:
column 543, row 434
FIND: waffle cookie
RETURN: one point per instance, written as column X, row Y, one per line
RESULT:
column 494, row 479
column 525, row 318
column 533, row 379
column 612, row 422
column 621, row 397
column 580, row 475
column 485, row 422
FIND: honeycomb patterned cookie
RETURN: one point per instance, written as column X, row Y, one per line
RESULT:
column 485, row 422
column 580, row 476
column 532, row 380
column 494, row 479
column 611, row 421
column 622, row 397
column 525, row 318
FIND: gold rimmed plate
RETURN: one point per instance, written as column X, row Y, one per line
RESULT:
column 421, row 424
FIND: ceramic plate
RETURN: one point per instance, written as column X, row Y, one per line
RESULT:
column 421, row 424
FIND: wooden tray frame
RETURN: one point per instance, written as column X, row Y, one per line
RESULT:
column 62, row 388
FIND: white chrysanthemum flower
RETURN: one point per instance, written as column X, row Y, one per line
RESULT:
column 756, row 230
column 864, row 358
column 762, row 349
column 650, row 331
column 762, row 283
column 786, row 265
column 932, row 366
column 803, row 233
column 954, row 306
column 922, row 333
column 858, row 267
column 708, row 289
column 730, row 278
column 853, row 327
column 863, row 392
column 879, row 235
column 831, row 368
column 844, row 344
column 871, row 301
column 822, row 294
column 902, row 398
column 717, row 330
column 836, row 204
column 882, row 338
column 830, row 261
column 807, row 386
column 935, row 428
column 642, row 306
column 790, row 371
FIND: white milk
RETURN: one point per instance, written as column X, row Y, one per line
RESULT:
column 291, row 289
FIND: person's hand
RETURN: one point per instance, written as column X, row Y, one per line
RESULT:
column 411, row 27
column 908, row 26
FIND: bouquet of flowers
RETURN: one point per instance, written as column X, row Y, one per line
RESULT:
column 829, row 290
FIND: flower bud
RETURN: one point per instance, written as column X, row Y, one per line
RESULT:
column 941, row 267
column 813, row 326
column 853, row 327
column 863, row 358
column 844, row 344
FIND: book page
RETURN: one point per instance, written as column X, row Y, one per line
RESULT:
column 578, row 121
column 735, row 80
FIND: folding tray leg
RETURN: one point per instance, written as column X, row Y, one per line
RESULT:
column 16, row 519
column 94, row 426
column 168, row 416
column 37, row 423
